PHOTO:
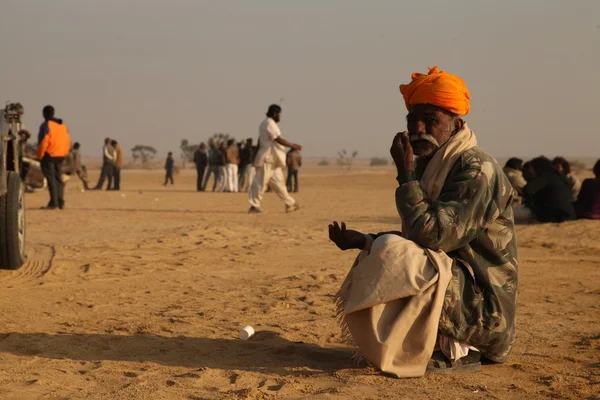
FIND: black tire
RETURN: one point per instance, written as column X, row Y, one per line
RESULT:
column 12, row 224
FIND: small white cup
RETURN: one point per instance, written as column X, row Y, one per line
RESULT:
column 246, row 332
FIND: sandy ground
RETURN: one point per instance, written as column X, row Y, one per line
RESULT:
column 140, row 295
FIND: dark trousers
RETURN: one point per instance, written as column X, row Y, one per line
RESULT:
column 82, row 175
column 117, row 179
column 107, row 173
column 242, row 176
column 200, row 181
column 169, row 177
column 214, row 171
column 52, row 170
column 292, row 175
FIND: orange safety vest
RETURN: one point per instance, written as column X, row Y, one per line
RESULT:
column 56, row 143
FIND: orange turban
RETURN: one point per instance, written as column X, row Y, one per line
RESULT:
column 439, row 89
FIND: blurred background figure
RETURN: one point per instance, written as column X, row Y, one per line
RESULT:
column 547, row 196
column 169, row 168
column 201, row 162
column 78, row 168
column 563, row 167
column 246, row 160
column 108, row 161
column 232, row 160
column 221, row 177
column 512, row 169
column 118, row 164
column 215, row 161
column 588, row 202
column 294, row 162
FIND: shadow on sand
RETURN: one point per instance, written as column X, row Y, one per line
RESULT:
column 266, row 352
column 146, row 210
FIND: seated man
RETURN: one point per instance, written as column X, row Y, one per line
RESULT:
column 563, row 167
column 547, row 194
column 513, row 172
column 442, row 293
column 588, row 202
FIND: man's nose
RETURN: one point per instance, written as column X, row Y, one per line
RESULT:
column 420, row 128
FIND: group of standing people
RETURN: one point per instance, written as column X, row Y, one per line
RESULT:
column 231, row 165
column 227, row 162
column 547, row 191
column 112, row 162
column 236, row 167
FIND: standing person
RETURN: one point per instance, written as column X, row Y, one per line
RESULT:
column 294, row 162
column 78, row 167
column 270, row 159
column 232, row 157
column 169, row 167
column 246, row 156
column 108, row 160
column 251, row 168
column 54, row 144
column 221, row 177
column 564, row 168
column 201, row 161
column 118, row 164
column 214, row 163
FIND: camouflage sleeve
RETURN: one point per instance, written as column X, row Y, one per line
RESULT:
column 462, row 211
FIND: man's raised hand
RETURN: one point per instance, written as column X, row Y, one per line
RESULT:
column 402, row 152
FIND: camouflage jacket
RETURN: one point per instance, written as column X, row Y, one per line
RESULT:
column 472, row 221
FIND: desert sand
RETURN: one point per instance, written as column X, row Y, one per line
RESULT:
column 140, row 294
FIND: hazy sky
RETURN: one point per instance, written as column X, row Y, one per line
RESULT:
column 157, row 71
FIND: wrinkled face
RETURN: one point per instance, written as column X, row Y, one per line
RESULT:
column 429, row 128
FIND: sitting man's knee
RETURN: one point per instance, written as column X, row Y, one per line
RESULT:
column 384, row 240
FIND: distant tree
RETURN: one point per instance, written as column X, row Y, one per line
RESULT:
column 378, row 161
column 187, row 151
column 323, row 163
column 346, row 160
column 143, row 153
column 220, row 137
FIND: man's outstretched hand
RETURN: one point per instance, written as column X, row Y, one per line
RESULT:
column 346, row 239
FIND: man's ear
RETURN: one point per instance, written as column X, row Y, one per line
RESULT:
column 459, row 124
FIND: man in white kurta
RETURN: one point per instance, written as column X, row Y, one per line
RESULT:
column 269, row 163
